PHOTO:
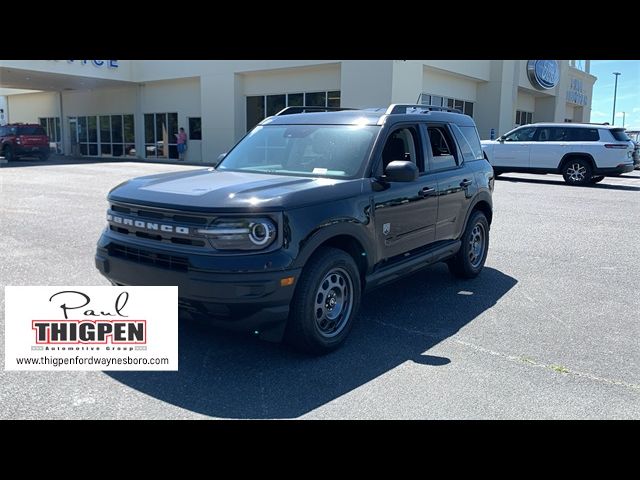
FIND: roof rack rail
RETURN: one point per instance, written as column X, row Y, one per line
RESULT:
column 402, row 108
column 292, row 110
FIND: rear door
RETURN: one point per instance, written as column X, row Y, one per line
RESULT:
column 515, row 150
column 550, row 145
column 455, row 180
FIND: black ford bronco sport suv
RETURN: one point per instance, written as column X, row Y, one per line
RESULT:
column 310, row 209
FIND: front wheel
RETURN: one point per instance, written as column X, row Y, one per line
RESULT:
column 7, row 153
column 325, row 302
column 577, row 172
column 470, row 259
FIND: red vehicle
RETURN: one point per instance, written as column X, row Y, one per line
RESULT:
column 23, row 140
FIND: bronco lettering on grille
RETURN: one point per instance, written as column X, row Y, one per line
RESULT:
column 152, row 226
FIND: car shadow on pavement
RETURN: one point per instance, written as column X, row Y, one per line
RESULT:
column 603, row 185
column 229, row 375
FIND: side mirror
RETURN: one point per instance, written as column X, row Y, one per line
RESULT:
column 401, row 171
column 501, row 139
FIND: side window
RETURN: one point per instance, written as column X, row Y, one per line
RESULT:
column 582, row 135
column 402, row 144
column 469, row 142
column 520, row 135
column 552, row 134
column 442, row 148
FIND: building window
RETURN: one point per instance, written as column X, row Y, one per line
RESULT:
column 161, row 135
column 523, row 118
column 195, row 128
column 261, row 106
column 568, row 120
column 464, row 106
column 52, row 127
column 103, row 135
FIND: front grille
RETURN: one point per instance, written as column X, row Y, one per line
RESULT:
column 158, row 217
column 161, row 260
column 158, row 237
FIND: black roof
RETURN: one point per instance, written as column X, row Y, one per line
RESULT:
column 369, row 116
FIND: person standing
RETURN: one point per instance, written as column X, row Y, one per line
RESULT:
column 182, row 144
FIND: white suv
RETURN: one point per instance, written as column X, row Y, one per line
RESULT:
column 582, row 153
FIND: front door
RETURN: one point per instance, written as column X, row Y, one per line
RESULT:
column 515, row 150
column 405, row 212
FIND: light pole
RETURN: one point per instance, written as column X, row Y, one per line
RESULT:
column 615, row 92
column 624, row 115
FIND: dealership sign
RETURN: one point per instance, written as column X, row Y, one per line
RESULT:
column 543, row 74
column 91, row 328
column 575, row 93
column 98, row 63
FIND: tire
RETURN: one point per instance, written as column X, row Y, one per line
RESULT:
column 330, row 277
column 7, row 153
column 577, row 172
column 469, row 260
column 596, row 179
column 44, row 157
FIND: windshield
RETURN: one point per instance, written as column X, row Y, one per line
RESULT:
column 308, row 150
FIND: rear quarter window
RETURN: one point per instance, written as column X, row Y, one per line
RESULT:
column 620, row 135
column 469, row 142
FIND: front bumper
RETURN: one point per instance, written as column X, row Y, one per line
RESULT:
column 245, row 301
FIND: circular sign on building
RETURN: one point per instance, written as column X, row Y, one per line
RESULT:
column 543, row 74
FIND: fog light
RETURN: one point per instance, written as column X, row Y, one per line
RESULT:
column 286, row 281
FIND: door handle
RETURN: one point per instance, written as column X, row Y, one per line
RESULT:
column 465, row 183
column 426, row 191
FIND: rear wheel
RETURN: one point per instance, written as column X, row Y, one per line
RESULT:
column 470, row 259
column 325, row 303
column 597, row 179
column 44, row 156
column 576, row 172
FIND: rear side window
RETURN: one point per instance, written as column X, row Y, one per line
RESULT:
column 469, row 142
column 620, row 135
column 442, row 148
column 35, row 130
column 582, row 135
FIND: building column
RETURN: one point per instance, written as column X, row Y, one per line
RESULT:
column 63, row 127
column 218, row 97
column 138, row 122
column 497, row 98
column 366, row 83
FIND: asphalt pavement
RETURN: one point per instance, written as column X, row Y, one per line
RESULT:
column 548, row 330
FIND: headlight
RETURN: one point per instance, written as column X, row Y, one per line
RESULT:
column 240, row 233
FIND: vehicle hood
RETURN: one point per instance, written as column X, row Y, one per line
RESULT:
column 219, row 190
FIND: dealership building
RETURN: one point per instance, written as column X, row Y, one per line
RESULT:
column 133, row 108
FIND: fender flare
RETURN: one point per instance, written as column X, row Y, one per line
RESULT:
column 358, row 231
